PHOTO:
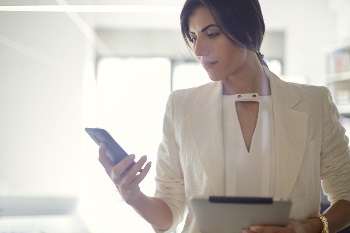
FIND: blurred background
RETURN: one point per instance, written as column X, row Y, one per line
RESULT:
column 70, row 64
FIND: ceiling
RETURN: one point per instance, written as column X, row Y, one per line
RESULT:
column 136, row 14
column 133, row 14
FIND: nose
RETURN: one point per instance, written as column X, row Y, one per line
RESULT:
column 200, row 48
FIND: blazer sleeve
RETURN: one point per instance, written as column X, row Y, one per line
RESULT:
column 335, row 157
column 169, row 177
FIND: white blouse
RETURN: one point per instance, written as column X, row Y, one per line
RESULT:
column 249, row 173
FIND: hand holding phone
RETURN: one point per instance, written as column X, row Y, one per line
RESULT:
column 129, row 191
column 113, row 150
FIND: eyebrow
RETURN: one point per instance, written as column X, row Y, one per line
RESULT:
column 205, row 28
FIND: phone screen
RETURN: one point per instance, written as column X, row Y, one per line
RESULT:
column 113, row 150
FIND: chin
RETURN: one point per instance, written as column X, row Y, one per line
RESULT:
column 214, row 77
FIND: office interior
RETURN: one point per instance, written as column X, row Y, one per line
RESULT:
column 70, row 64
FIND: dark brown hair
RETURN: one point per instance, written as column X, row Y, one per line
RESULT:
column 240, row 20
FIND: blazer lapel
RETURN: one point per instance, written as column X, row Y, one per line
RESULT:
column 206, row 122
column 291, row 127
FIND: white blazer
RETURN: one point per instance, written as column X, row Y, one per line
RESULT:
column 310, row 146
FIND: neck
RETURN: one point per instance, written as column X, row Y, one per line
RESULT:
column 251, row 80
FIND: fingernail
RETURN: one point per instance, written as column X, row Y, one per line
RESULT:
column 132, row 156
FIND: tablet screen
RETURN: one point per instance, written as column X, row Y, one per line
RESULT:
column 223, row 214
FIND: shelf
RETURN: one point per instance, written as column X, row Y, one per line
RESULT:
column 338, row 77
column 338, row 46
column 344, row 109
column 339, row 60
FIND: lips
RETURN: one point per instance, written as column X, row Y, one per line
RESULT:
column 208, row 64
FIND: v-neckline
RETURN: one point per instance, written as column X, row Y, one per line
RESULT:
column 248, row 140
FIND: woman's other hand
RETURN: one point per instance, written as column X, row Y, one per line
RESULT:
column 295, row 226
column 126, row 181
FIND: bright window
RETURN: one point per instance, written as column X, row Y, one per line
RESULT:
column 131, row 98
column 188, row 74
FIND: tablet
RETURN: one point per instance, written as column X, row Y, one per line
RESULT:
column 227, row 214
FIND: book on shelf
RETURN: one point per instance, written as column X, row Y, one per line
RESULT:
column 339, row 61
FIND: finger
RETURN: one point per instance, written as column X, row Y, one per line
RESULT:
column 103, row 159
column 269, row 229
column 138, row 165
column 141, row 176
column 119, row 171
column 131, row 175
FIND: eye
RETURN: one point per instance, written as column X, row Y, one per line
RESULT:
column 192, row 39
column 213, row 35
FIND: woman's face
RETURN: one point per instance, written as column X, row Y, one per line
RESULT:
column 219, row 55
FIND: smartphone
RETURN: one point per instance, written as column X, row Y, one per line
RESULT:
column 113, row 150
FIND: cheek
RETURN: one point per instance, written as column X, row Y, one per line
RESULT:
column 235, row 57
column 230, row 57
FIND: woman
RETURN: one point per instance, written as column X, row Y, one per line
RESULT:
column 247, row 123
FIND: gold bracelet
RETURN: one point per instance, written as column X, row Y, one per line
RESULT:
column 324, row 223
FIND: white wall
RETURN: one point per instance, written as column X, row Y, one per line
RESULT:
column 309, row 28
column 341, row 9
column 145, row 42
column 42, row 62
column 169, row 43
